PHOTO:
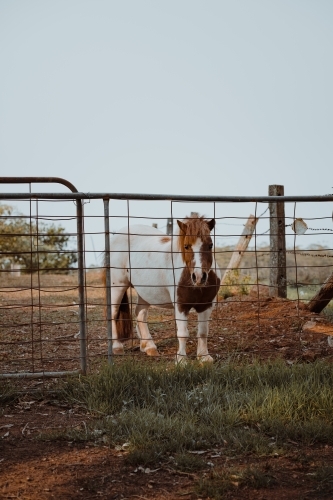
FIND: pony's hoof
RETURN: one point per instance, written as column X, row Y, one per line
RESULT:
column 118, row 350
column 206, row 359
column 152, row 351
column 181, row 360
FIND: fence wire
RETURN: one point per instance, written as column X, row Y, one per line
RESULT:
column 42, row 308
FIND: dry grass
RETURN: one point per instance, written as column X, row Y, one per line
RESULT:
column 309, row 266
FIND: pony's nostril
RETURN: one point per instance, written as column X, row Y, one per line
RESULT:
column 204, row 277
column 194, row 278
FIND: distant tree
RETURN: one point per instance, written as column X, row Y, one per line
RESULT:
column 33, row 246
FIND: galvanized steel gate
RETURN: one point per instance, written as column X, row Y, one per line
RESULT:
column 80, row 270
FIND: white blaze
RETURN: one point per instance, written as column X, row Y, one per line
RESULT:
column 197, row 260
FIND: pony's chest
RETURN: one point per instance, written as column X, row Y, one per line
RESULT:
column 199, row 298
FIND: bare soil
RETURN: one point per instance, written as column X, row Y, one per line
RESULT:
column 32, row 468
column 39, row 332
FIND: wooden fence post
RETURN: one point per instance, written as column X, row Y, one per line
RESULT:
column 278, row 273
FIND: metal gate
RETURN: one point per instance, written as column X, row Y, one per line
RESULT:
column 24, row 339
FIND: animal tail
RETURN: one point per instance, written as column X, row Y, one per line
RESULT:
column 124, row 322
column 124, row 319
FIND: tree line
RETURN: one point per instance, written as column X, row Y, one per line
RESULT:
column 33, row 245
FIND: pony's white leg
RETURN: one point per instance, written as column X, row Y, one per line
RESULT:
column 203, row 327
column 182, row 334
column 147, row 344
column 117, row 293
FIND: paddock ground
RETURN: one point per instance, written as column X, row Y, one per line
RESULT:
column 40, row 329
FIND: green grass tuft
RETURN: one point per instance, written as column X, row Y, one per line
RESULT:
column 164, row 409
column 218, row 483
column 324, row 477
column 187, row 462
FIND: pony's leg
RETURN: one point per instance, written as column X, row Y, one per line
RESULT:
column 182, row 334
column 203, row 326
column 147, row 344
column 117, row 293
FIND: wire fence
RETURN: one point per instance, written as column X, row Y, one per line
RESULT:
column 52, row 293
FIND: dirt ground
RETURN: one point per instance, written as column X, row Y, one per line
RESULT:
column 39, row 326
column 32, row 468
column 44, row 337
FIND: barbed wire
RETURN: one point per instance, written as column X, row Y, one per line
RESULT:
column 307, row 254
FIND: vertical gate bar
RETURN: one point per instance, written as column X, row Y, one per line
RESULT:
column 107, row 277
column 39, row 287
column 257, row 268
column 299, row 323
column 31, row 286
column 130, row 266
column 80, row 259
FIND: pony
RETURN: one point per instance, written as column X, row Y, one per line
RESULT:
column 174, row 272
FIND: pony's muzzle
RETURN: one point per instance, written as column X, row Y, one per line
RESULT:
column 199, row 279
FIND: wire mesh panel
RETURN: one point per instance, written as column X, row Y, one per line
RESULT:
column 40, row 294
column 42, row 309
column 247, row 320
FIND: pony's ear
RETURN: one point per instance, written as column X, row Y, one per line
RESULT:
column 211, row 224
column 182, row 226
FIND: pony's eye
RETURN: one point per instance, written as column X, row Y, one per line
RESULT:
column 187, row 247
column 210, row 246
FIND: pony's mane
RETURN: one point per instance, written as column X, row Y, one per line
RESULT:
column 195, row 228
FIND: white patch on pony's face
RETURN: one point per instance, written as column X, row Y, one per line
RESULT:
column 198, row 276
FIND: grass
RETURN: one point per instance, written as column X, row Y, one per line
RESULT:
column 324, row 478
column 314, row 264
column 8, row 393
column 164, row 410
column 235, row 284
column 217, row 484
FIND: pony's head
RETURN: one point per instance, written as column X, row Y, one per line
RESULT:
column 196, row 247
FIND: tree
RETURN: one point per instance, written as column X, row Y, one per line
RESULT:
column 34, row 246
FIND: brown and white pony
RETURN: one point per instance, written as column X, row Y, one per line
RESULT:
column 177, row 272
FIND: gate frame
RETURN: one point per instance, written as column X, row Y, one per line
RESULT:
column 80, row 253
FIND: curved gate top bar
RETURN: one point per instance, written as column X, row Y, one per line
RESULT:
column 38, row 180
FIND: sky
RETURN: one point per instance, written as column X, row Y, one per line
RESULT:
column 201, row 97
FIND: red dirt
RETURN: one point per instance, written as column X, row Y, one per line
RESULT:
column 41, row 333
column 40, row 469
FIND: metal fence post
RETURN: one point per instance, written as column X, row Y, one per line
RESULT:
column 169, row 227
column 278, row 274
column 107, row 277
column 81, row 287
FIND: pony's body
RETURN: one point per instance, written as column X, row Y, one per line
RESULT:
column 163, row 275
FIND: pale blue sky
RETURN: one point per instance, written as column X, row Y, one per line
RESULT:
column 188, row 97
column 204, row 97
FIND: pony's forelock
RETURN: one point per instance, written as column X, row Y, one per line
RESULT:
column 194, row 228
